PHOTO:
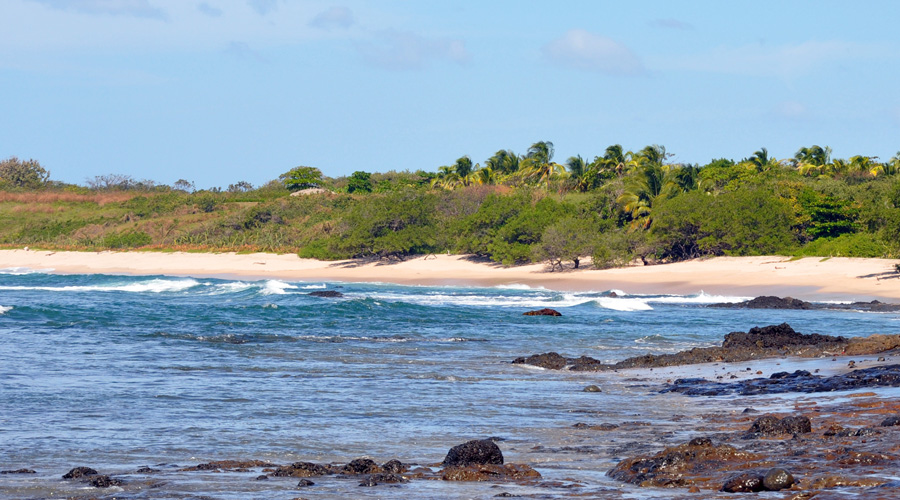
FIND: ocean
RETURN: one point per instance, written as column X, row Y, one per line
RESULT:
column 122, row 372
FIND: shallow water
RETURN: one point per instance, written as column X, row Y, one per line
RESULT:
column 118, row 372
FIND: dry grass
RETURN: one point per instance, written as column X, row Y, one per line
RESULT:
column 62, row 197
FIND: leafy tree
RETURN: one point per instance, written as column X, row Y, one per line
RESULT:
column 393, row 225
column 183, row 185
column 360, row 182
column 27, row 174
column 828, row 217
column 240, row 187
column 301, row 178
column 570, row 238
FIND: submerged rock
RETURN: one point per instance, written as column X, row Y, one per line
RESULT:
column 669, row 467
column 79, row 472
column 769, row 426
column 768, row 302
column 302, row 469
column 777, row 479
column 18, row 471
column 475, row 452
column 747, row 482
column 775, row 336
column 326, row 294
column 490, row 472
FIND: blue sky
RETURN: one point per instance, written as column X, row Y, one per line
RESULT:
column 218, row 91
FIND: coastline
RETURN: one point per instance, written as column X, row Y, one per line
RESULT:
column 811, row 278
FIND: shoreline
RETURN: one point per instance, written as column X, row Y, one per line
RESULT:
column 810, row 278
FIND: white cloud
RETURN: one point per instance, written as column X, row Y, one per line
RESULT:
column 335, row 17
column 135, row 8
column 581, row 49
column 671, row 23
column 263, row 7
column 209, row 10
column 397, row 50
column 791, row 109
column 785, row 61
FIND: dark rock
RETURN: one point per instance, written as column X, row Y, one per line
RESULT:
column 669, row 467
column 592, row 388
column 490, row 472
column 18, row 471
column 476, row 452
column 383, row 478
column 302, row 469
column 550, row 361
column 799, row 381
column 103, row 481
column 775, row 336
column 79, row 472
column 744, row 483
column 770, row 302
column 543, row 312
column 778, row 479
column 145, row 470
column 326, row 294
column 394, row 467
column 891, row 421
column 305, row 483
column 505, row 494
column 262, row 478
column 361, row 466
column 769, row 426
column 700, row 441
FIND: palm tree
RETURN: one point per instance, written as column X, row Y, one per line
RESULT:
column 577, row 169
column 643, row 187
column 504, row 162
column 538, row 164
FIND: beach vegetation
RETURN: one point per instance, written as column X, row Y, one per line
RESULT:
column 619, row 208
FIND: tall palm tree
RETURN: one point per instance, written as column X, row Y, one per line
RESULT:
column 577, row 169
column 504, row 162
column 538, row 164
column 643, row 187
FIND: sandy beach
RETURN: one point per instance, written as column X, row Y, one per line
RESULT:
column 812, row 278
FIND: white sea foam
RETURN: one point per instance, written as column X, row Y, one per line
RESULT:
column 5, row 309
column 275, row 287
column 476, row 300
column 518, row 286
column 153, row 286
column 624, row 304
column 700, row 298
column 312, row 287
column 20, row 271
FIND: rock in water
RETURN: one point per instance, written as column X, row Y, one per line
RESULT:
column 777, row 479
column 326, row 293
column 744, row 483
column 476, row 452
column 543, row 312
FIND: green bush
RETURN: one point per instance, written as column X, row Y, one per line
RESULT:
column 130, row 239
column 846, row 245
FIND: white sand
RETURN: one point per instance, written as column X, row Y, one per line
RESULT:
column 808, row 278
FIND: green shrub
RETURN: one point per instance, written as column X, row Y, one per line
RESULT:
column 129, row 239
column 846, row 245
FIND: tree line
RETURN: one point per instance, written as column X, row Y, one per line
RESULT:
column 619, row 207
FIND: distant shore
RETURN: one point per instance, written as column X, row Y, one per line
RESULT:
column 812, row 278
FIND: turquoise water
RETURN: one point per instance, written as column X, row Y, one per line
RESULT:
column 119, row 372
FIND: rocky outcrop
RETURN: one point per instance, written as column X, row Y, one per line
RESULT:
column 331, row 294
column 543, row 312
column 669, row 467
column 475, row 452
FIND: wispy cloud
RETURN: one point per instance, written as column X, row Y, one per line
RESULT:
column 242, row 50
column 263, row 7
column 209, row 10
column 671, row 23
column 335, row 17
column 785, row 61
column 134, row 8
column 398, row 50
column 791, row 109
column 581, row 49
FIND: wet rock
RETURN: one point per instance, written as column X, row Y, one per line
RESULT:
column 227, row 465
column 146, row 470
column 891, row 421
column 775, row 336
column 262, row 478
column 799, row 381
column 769, row 302
column 302, row 469
column 592, row 388
column 361, row 466
column 769, row 426
column 549, row 360
column 103, row 481
column 305, row 483
column 606, row 426
column 490, row 472
column 861, row 432
column 476, row 452
column 394, row 467
column 778, row 479
column 18, row 471
column 383, row 478
column 670, row 466
column 543, row 312
column 700, row 441
column 747, row 482
column 80, row 472
column 326, row 294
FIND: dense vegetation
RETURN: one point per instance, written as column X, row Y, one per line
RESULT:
column 617, row 207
